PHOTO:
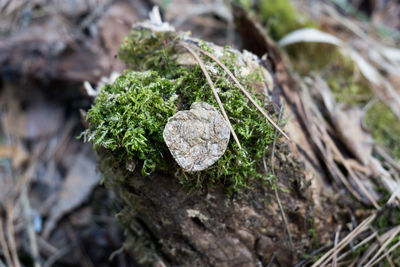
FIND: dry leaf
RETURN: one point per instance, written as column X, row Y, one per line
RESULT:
column 78, row 185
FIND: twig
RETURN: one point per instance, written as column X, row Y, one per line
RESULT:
column 94, row 15
column 345, row 241
column 31, row 232
column 243, row 90
column 10, row 233
column 203, row 68
column 276, row 190
column 46, row 247
column 271, row 260
column 315, row 252
column 381, row 151
column 386, row 253
column 3, row 243
column 53, row 258
column 364, row 241
column 352, row 174
column 383, row 247
column 334, row 260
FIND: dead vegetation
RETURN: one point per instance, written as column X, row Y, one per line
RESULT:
column 51, row 210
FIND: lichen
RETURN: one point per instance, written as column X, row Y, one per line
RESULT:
column 128, row 116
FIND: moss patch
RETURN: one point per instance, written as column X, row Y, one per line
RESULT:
column 384, row 126
column 128, row 116
column 338, row 70
column 281, row 18
column 349, row 87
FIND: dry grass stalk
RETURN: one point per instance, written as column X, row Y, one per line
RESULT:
column 3, row 243
column 285, row 221
column 385, row 254
column 371, row 248
column 327, row 257
column 243, row 90
column 384, row 246
column 34, row 249
column 382, row 152
column 352, row 174
column 386, row 238
column 203, row 68
column 364, row 241
column 10, row 233
column 334, row 260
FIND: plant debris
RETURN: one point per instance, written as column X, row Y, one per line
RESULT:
column 329, row 196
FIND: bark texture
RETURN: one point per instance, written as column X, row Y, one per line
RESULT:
column 170, row 226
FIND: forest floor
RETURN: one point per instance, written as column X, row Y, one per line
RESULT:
column 336, row 62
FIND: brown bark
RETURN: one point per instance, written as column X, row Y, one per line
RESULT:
column 167, row 224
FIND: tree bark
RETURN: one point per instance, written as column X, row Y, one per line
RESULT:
column 168, row 225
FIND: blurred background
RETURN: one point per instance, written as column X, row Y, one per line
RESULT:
column 53, row 212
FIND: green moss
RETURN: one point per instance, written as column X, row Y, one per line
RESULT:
column 348, row 86
column 313, row 231
column 128, row 116
column 384, row 126
column 338, row 70
column 281, row 18
column 342, row 75
column 146, row 50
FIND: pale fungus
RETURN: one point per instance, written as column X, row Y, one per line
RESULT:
column 198, row 137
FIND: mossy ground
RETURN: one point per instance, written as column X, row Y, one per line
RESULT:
column 342, row 75
column 128, row 116
column 348, row 86
column 280, row 17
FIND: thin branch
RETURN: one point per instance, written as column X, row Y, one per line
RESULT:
column 323, row 261
column 364, row 241
column 352, row 174
column 203, row 68
column 3, row 243
column 383, row 247
column 386, row 253
column 31, row 232
column 10, row 233
column 285, row 221
column 334, row 260
column 54, row 257
column 315, row 252
column 243, row 90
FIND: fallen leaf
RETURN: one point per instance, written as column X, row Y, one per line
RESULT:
column 81, row 179
column 6, row 151
column 38, row 120
column 17, row 153
column 309, row 35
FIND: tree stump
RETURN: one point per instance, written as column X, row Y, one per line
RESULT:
column 272, row 219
